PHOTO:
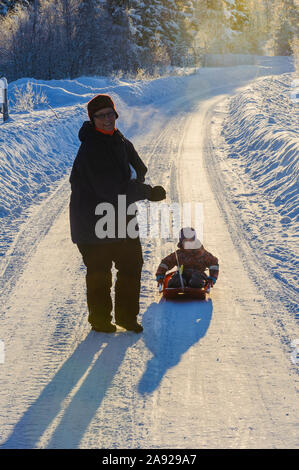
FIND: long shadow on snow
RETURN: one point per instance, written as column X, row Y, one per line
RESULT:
column 81, row 383
column 171, row 328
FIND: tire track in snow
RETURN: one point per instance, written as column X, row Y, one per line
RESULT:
column 43, row 314
column 33, row 230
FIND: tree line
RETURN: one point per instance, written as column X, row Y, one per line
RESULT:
column 52, row 39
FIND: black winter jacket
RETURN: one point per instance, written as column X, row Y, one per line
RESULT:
column 100, row 173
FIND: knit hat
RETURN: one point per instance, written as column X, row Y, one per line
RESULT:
column 100, row 102
column 188, row 234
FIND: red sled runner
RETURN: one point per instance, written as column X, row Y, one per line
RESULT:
column 198, row 293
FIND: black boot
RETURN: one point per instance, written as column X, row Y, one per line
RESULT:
column 104, row 328
column 132, row 326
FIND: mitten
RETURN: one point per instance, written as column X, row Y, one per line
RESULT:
column 157, row 193
column 212, row 280
column 160, row 278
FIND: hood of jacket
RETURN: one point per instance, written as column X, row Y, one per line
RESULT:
column 87, row 130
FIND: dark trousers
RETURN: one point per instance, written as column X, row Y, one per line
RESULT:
column 190, row 278
column 128, row 260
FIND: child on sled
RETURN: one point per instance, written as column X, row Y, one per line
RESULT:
column 194, row 260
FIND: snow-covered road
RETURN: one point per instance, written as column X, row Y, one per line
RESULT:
column 214, row 374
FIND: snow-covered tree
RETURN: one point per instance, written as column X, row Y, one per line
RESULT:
column 162, row 28
column 187, row 25
column 66, row 38
column 7, row 5
column 90, row 33
column 237, row 14
column 213, row 32
column 145, row 23
column 255, row 31
column 286, row 26
column 124, row 55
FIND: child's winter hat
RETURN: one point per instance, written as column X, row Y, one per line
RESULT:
column 188, row 234
column 100, row 102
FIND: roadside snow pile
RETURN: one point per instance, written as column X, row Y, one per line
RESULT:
column 262, row 132
column 259, row 159
column 35, row 152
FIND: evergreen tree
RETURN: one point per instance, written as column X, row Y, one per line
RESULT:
column 67, row 38
column 51, row 59
column 163, row 29
column 286, row 21
column 124, row 55
column 145, row 20
column 212, row 31
column 186, row 27
column 91, row 30
column 237, row 13
column 7, row 5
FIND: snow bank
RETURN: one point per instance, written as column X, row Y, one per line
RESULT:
column 262, row 132
column 259, row 160
column 33, row 157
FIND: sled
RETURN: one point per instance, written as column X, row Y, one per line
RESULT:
column 179, row 293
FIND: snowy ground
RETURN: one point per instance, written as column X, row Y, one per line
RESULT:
column 215, row 374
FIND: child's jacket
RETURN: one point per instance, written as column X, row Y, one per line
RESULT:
column 197, row 259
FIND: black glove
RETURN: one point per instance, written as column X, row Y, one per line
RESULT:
column 157, row 193
column 137, row 191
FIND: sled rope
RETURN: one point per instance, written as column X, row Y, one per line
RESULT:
column 180, row 270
